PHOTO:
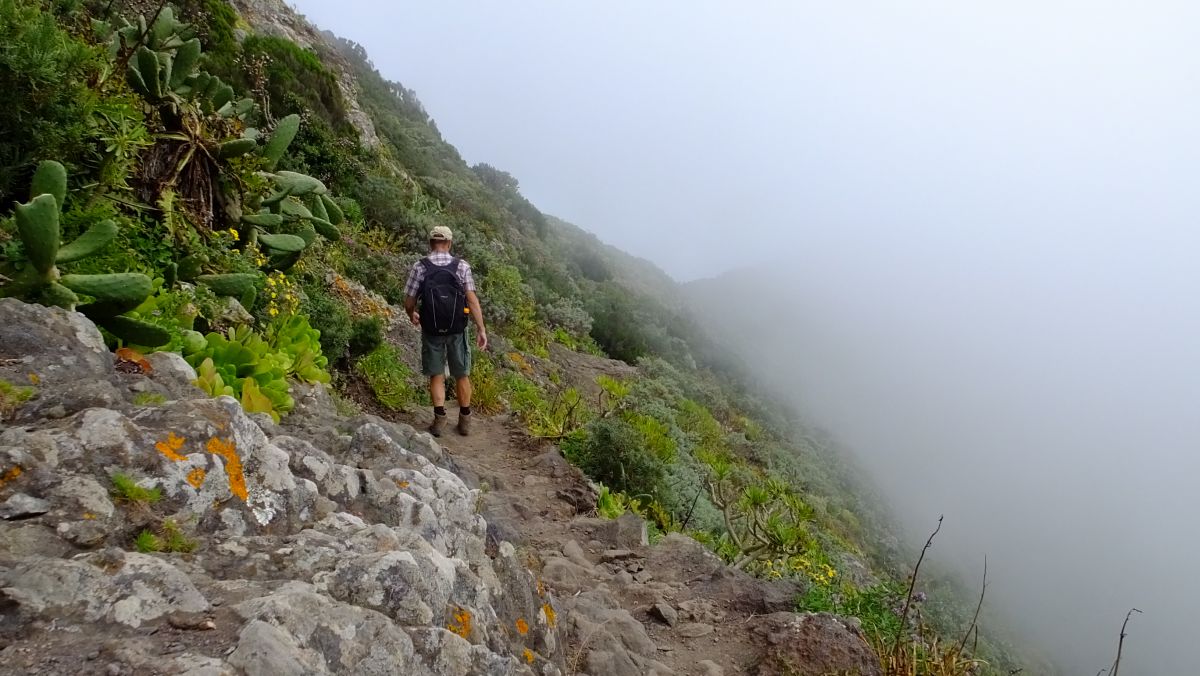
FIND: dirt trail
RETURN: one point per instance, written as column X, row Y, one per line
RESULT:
column 696, row 611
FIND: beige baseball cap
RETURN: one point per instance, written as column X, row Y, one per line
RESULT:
column 441, row 233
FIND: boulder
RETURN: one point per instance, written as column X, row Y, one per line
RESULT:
column 813, row 645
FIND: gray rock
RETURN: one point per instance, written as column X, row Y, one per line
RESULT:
column 30, row 540
column 264, row 649
column 141, row 589
column 567, row 577
column 616, row 554
column 174, row 374
column 626, row 532
column 22, row 506
column 615, row 642
column 666, row 613
column 82, row 497
column 694, row 630
column 63, row 352
column 345, row 638
column 710, row 668
column 813, row 645
column 575, row 555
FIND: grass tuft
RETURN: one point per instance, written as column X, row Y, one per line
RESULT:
column 127, row 490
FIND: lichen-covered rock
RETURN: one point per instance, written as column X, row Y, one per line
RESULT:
column 128, row 588
column 59, row 354
column 297, row 630
column 334, row 545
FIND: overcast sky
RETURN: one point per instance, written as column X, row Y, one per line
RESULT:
column 988, row 211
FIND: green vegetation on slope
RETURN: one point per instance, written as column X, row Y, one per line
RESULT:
column 250, row 210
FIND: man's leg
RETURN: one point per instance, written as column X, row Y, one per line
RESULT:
column 437, row 390
column 462, row 391
column 458, row 354
column 433, row 364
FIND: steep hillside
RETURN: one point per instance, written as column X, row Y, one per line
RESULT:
column 231, row 192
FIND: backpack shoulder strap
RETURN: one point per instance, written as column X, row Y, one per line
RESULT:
column 427, row 263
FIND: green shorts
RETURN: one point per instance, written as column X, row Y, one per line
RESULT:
column 436, row 351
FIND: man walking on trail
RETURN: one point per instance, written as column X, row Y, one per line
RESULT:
column 444, row 288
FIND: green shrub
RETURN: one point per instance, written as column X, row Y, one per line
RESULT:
column 366, row 334
column 487, row 390
column 297, row 81
column 388, row 377
column 330, row 317
column 613, row 454
column 48, row 109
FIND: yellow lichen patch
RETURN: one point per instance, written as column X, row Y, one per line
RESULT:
column 461, row 624
column 529, row 655
column 227, row 449
column 10, row 475
column 401, row 484
column 541, row 588
column 196, row 477
column 88, row 516
column 551, row 616
column 35, row 378
column 170, row 447
column 522, row 626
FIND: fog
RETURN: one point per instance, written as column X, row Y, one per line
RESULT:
column 976, row 225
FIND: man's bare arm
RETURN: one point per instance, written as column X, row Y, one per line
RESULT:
column 410, row 307
column 477, row 315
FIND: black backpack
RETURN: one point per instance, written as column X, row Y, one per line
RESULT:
column 443, row 300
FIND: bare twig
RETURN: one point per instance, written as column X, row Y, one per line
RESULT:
column 979, row 606
column 141, row 38
column 1121, row 642
column 912, row 583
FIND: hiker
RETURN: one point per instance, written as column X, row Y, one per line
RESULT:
column 445, row 288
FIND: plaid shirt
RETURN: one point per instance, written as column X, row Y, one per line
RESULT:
column 417, row 274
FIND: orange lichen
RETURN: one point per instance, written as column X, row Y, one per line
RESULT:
column 227, row 449
column 402, row 484
column 461, row 623
column 551, row 616
column 522, row 626
column 170, row 447
column 10, row 475
column 196, row 477
column 529, row 655
column 131, row 356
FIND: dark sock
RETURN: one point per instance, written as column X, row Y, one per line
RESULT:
column 464, row 410
column 439, row 410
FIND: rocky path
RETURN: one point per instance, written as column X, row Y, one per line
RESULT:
column 631, row 607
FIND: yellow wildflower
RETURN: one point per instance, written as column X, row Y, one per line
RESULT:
column 234, row 234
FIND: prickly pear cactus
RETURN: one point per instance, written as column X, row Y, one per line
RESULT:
column 37, row 279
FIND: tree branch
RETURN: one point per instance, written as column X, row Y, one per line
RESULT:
column 912, row 583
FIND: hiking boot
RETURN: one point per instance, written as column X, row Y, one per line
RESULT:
column 464, row 424
column 439, row 423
